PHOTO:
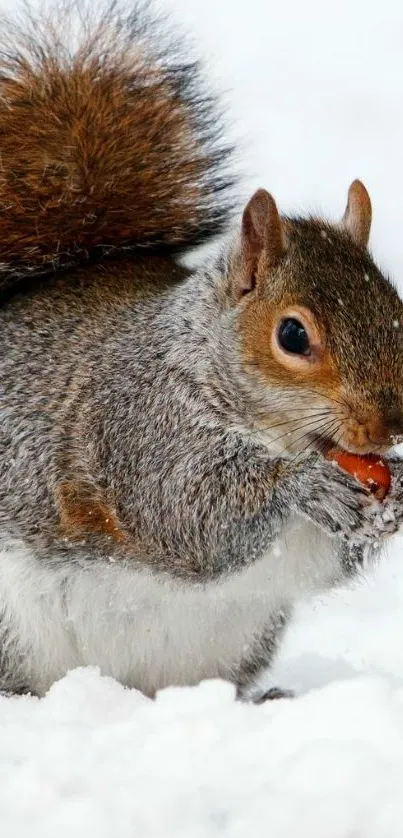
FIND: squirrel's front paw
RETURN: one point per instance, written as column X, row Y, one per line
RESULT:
column 392, row 506
column 340, row 505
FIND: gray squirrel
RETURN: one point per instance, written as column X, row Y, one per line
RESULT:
column 165, row 496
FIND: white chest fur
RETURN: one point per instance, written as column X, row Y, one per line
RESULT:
column 145, row 630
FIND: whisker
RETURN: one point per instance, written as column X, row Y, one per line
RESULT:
column 323, row 429
column 296, row 423
column 329, row 428
column 342, row 403
column 300, row 409
column 309, row 425
column 302, row 421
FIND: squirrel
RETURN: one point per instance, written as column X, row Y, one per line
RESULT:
column 165, row 497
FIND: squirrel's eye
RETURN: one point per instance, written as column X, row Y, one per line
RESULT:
column 292, row 337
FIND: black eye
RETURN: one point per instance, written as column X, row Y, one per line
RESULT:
column 292, row 337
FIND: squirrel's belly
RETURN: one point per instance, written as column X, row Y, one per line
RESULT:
column 143, row 629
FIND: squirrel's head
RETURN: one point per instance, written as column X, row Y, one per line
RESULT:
column 321, row 329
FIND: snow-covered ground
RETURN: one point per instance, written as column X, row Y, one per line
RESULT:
column 315, row 95
column 94, row 759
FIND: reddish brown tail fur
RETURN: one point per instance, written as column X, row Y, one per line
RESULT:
column 109, row 147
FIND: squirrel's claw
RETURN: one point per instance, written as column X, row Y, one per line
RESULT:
column 341, row 506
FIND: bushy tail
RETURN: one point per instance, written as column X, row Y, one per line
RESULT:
column 107, row 141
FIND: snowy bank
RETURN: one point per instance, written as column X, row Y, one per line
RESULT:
column 95, row 759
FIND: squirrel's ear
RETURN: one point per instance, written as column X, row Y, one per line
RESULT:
column 262, row 239
column 358, row 215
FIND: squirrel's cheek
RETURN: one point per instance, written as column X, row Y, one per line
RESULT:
column 259, row 333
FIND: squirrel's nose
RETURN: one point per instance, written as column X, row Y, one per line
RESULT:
column 391, row 410
column 394, row 421
column 386, row 426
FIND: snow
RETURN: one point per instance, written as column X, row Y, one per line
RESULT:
column 314, row 93
column 95, row 759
